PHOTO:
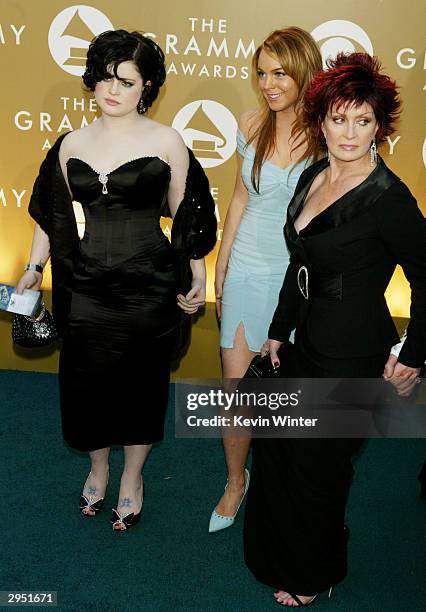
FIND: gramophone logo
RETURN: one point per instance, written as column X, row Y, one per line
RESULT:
column 340, row 35
column 209, row 129
column 70, row 35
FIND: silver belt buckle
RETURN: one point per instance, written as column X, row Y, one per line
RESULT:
column 303, row 283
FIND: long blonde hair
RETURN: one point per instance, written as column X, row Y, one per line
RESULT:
column 300, row 58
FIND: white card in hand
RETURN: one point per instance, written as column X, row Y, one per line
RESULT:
column 25, row 304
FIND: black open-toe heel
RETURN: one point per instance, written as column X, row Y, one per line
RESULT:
column 88, row 503
column 300, row 603
column 94, row 507
column 123, row 523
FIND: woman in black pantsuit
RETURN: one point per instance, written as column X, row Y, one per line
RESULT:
column 349, row 223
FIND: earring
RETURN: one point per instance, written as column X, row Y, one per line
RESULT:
column 373, row 153
column 141, row 107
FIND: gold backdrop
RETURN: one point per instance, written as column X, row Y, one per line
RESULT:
column 208, row 47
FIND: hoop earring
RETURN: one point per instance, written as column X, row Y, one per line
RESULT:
column 373, row 153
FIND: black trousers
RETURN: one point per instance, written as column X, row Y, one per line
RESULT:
column 294, row 536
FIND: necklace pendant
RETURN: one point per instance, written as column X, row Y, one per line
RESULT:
column 103, row 178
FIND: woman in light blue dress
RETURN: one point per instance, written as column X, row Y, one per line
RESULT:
column 251, row 264
column 258, row 258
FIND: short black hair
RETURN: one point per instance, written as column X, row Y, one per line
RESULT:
column 116, row 46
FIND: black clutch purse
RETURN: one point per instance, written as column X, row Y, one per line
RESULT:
column 32, row 332
column 261, row 367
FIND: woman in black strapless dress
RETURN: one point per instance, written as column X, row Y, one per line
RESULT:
column 117, row 292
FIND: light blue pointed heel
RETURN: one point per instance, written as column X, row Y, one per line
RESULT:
column 217, row 521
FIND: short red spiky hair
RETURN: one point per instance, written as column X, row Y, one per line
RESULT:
column 352, row 78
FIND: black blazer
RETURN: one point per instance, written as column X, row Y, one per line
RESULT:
column 350, row 251
column 193, row 231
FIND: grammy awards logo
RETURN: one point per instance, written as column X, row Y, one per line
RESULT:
column 70, row 35
column 340, row 35
column 209, row 129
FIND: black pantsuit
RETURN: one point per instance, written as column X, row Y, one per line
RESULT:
column 294, row 528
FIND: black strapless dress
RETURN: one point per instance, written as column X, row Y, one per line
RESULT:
column 115, row 362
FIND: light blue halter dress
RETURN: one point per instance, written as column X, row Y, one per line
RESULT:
column 259, row 256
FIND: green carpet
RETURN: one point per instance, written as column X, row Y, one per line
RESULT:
column 170, row 561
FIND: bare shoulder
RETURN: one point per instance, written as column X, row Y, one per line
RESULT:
column 168, row 135
column 176, row 148
column 174, row 139
column 74, row 141
column 248, row 122
column 171, row 142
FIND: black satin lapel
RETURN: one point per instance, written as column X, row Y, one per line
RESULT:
column 305, row 181
column 354, row 202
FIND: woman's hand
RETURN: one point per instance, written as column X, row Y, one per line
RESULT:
column 271, row 347
column 195, row 298
column 402, row 377
column 219, row 280
column 30, row 280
